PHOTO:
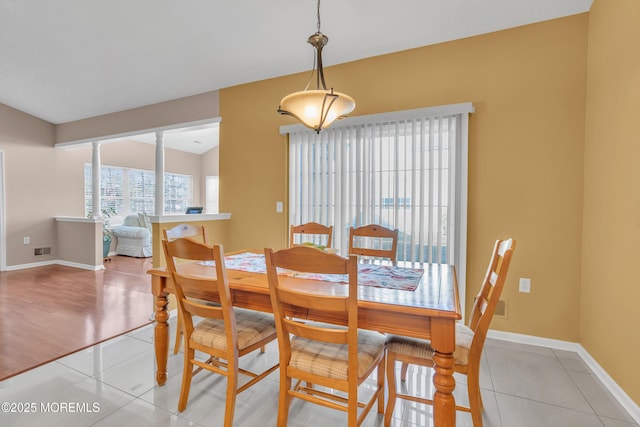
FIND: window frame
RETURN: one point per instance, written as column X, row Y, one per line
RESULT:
column 460, row 162
column 124, row 205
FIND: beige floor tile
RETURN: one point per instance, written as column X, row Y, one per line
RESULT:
column 522, row 385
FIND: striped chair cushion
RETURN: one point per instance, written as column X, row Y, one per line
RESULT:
column 252, row 326
column 331, row 360
column 422, row 349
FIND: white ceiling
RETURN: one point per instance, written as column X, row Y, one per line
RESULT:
column 196, row 139
column 66, row 60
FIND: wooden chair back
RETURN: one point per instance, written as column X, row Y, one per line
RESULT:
column 312, row 260
column 223, row 333
column 188, row 288
column 311, row 230
column 198, row 232
column 469, row 341
column 324, row 355
column 186, row 230
column 487, row 299
column 374, row 241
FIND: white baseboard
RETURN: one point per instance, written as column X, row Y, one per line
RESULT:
column 53, row 262
column 532, row 340
column 31, row 265
column 83, row 266
column 618, row 393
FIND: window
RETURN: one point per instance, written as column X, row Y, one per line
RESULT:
column 404, row 170
column 211, row 199
column 133, row 190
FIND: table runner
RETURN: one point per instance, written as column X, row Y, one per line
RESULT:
column 381, row 276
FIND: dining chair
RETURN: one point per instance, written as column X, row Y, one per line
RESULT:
column 469, row 340
column 312, row 230
column 184, row 230
column 225, row 333
column 328, row 362
column 374, row 241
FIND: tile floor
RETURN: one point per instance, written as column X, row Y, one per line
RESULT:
column 113, row 384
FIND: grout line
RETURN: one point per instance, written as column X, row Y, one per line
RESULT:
column 577, row 386
column 610, row 384
column 549, row 404
column 493, row 386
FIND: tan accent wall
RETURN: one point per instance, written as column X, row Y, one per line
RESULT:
column 525, row 153
column 609, row 316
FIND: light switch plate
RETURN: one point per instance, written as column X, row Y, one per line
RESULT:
column 525, row 285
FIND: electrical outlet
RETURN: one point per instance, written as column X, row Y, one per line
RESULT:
column 27, row 240
column 525, row 285
column 279, row 207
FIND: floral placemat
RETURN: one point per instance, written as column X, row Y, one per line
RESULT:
column 381, row 276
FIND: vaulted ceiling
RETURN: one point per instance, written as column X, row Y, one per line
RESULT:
column 66, row 60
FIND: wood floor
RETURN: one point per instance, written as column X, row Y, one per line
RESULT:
column 52, row 311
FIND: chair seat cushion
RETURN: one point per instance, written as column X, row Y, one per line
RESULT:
column 422, row 349
column 331, row 360
column 252, row 327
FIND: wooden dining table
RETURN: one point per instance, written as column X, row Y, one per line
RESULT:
column 429, row 311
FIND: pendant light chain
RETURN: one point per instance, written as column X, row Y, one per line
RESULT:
column 318, row 16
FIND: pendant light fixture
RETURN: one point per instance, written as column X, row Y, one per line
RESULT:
column 317, row 108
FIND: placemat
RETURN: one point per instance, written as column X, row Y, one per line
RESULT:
column 381, row 276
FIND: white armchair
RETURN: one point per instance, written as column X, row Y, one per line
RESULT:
column 134, row 236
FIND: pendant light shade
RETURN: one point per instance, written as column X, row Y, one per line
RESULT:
column 317, row 108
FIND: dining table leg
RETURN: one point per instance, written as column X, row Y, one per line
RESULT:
column 161, row 330
column 443, row 342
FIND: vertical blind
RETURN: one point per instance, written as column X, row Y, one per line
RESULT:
column 404, row 170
